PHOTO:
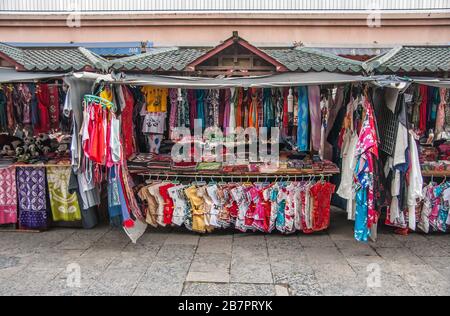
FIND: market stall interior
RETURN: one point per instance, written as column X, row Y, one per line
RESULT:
column 145, row 150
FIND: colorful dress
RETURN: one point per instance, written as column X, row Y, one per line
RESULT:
column 366, row 153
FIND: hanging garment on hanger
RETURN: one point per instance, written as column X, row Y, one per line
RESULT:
column 10, row 107
column 415, row 185
column 173, row 117
column 366, row 152
column 128, row 125
column 315, row 113
column 197, row 209
column 168, row 203
column 155, row 98
column 213, row 108
column 216, row 205
column 3, row 115
column 53, row 107
column 303, row 120
column 269, row 115
column 201, row 115
column 324, row 108
column 25, row 103
column 64, row 205
column 149, row 203
column 192, row 99
column 253, row 111
column 440, row 116
column 32, row 198
column 321, row 193
column 423, row 109
column 227, row 109
column 43, row 96
column 180, row 204
column 240, row 197
column 8, row 196
column 239, row 107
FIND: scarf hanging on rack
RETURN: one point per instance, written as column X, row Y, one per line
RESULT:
column 8, row 196
column 303, row 120
column 32, row 197
column 64, row 205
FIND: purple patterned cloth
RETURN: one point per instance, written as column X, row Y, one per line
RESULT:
column 32, row 193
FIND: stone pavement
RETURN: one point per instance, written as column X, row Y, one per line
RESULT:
column 176, row 262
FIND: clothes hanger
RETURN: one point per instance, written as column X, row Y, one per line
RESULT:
column 222, row 182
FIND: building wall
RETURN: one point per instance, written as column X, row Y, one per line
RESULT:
column 218, row 5
column 168, row 29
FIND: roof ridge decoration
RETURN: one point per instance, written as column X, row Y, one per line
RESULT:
column 96, row 61
column 412, row 59
column 372, row 64
column 12, row 54
column 328, row 55
column 236, row 39
column 157, row 51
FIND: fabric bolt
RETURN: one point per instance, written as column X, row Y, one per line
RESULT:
column 303, row 119
column 64, row 205
column 8, row 196
column 32, row 198
column 315, row 114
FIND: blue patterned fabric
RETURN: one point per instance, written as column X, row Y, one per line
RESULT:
column 32, row 195
column 303, row 120
column 362, row 232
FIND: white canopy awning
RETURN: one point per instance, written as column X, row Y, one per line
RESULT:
column 11, row 75
column 278, row 80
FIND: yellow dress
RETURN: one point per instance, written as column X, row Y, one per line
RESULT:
column 198, row 210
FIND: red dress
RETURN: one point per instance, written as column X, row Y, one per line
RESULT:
column 127, row 123
column 43, row 97
column 168, row 203
column 321, row 194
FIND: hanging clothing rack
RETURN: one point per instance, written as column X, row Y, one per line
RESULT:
column 243, row 176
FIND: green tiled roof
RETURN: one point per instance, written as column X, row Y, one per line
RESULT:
column 54, row 59
column 307, row 59
column 411, row 59
column 295, row 59
column 165, row 59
